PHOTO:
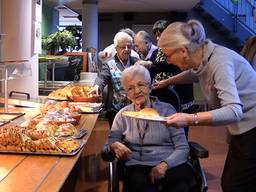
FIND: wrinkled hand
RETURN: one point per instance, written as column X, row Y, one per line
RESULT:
column 121, row 151
column 158, row 172
column 103, row 55
column 146, row 64
column 178, row 120
column 160, row 84
column 94, row 90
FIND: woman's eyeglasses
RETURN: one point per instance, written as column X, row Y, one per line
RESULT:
column 140, row 86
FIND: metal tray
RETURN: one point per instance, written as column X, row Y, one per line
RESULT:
column 47, row 153
column 57, row 99
column 87, row 107
column 81, row 133
column 93, row 110
column 15, row 116
column 2, row 123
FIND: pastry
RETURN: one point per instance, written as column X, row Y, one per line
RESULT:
column 149, row 112
column 58, row 94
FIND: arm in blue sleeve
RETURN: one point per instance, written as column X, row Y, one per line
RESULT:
column 104, row 77
column 181, row 151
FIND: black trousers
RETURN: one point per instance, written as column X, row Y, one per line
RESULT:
column 239, row 173
column 177, row 179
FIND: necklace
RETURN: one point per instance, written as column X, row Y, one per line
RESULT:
column 142, row 132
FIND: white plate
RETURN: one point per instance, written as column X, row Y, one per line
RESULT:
column 136, row 115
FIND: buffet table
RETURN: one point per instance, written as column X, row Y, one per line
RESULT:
column 20, row 172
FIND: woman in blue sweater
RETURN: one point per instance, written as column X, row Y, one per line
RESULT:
column 228, row 83
column 155, row 155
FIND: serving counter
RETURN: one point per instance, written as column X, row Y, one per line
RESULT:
column 20, row 172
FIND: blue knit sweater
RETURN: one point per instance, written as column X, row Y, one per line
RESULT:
column 160, row 143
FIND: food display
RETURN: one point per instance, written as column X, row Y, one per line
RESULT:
column 77, row 93
column 14, row 138
column 60, row 112
column 52, row 106
column 51, row 132
column 149, row 114
column 58, row 94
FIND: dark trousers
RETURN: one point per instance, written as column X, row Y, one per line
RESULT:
column 239, row 173
column 177, row 179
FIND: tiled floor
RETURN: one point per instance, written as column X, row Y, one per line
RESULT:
column 215, row 140
column 91, row 172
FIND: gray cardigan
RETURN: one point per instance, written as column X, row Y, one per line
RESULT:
column 161, row 143
column 228, row 82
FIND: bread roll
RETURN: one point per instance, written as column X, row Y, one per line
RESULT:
column 149, row 112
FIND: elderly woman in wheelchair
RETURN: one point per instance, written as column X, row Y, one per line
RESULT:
column 155, row 156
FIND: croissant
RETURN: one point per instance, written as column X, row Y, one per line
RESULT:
column 37, row 134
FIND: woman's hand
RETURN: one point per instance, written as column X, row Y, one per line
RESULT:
column 146, row 64
column 121, row 151
column 94, row 90
column 161, row 84
column 158, row 172
column 179, row 120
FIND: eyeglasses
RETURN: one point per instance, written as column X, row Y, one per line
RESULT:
column 140, row 86
column 125, row 46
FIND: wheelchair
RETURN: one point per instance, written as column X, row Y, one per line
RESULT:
column 117, row 168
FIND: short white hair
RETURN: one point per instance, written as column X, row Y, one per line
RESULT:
column 121, row 36
column 134, row 70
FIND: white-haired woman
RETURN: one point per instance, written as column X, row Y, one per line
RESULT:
column 111, row 73
column 228, row 83
column 155, row 155
column 110, row 51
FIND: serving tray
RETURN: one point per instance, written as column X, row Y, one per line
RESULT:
column 87, row 107
column 6, row 117
column 57, row 98
column 81, row 133
column 2, row 123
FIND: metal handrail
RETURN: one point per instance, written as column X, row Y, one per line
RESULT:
column 242, row 11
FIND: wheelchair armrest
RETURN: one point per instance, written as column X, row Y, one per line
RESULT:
column 197, row 150
column 107, row 154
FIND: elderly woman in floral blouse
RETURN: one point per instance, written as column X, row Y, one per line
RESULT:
column 111, row 73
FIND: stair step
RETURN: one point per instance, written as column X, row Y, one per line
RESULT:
column 206, row 15
column 216, row 24
column 223, row 30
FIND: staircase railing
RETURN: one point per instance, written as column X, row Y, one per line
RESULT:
column 243, row 11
